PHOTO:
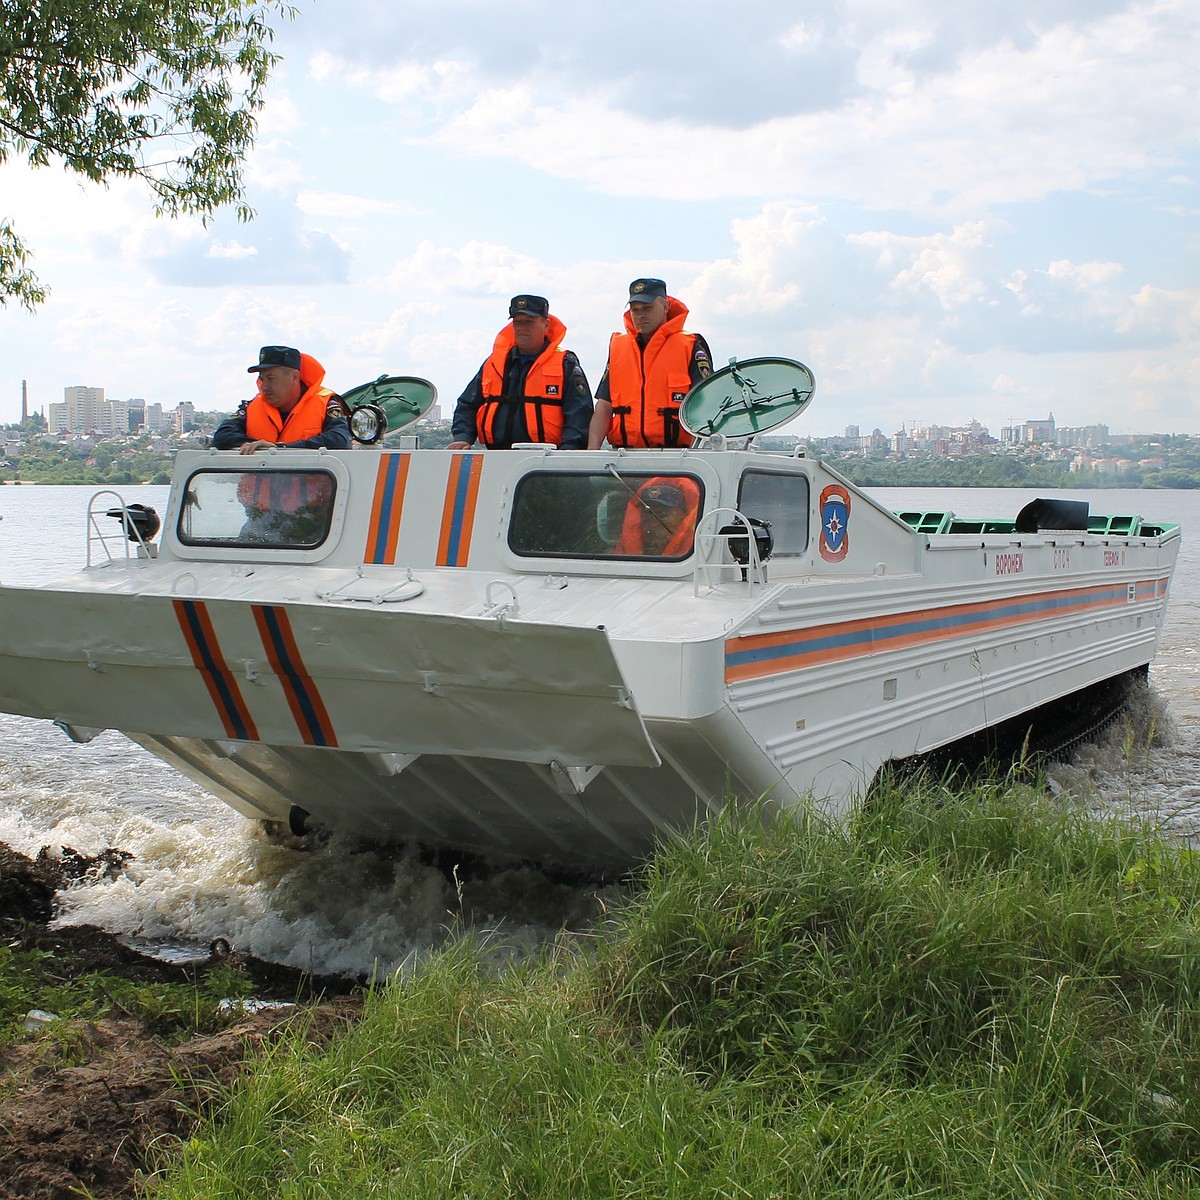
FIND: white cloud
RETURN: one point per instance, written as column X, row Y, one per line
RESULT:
column 945, row 211
column 275, row 164
column 280, row 116
column 345, row 206
column 1013, row 110
column 231, row 250
column 946, row 265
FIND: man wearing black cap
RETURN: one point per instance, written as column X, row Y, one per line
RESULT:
column 651, row 367
column 529, row 390
column 291, row 408
column 660, row 518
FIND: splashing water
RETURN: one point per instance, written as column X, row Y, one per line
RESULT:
column 1145, row 767
column 201, row 871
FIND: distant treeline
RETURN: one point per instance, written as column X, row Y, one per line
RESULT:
column 102, row 465
column 1181, row 468
column 110, row 464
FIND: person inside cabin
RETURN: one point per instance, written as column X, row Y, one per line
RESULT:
column 651, row 367
column 660, row 518
column 291, row 408
column 529, row 390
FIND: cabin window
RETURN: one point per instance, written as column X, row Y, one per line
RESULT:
column 782, row 501
column 265, row 509
column 624, row 515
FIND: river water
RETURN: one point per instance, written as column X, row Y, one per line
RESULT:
column 201, row 871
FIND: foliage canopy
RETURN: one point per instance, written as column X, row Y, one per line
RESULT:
column 166, row 91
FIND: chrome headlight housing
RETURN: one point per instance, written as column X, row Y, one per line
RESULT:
column 368, row 423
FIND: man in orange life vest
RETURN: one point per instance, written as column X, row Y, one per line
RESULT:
column 651, row 367
column 660, row 518
column 529, row 390
column 290, row 409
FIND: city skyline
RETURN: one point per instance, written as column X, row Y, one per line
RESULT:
column 77, row 414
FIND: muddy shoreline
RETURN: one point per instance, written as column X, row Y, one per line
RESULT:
column 95, row 1121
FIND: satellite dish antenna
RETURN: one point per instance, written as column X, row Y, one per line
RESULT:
column 386, row 405
column 748, row 397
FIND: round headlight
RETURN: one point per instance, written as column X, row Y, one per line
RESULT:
column 368, row 424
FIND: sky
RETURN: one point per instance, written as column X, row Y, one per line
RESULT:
column 946, row 211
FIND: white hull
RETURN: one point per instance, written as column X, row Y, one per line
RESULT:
column 424, row 673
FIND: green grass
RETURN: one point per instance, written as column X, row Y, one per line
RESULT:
column 32, row 977
column 971, row 996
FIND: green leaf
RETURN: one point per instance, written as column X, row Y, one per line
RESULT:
column 165, row 93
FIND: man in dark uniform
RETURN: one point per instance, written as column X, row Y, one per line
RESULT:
column 528, row 390
column 292, row 408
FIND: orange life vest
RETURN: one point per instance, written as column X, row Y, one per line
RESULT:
column 646, row 387
column 543, row 387
column 631, row 540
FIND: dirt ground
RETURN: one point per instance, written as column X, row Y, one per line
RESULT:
column 93, row 1128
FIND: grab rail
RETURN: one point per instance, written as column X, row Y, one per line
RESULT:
column 125, row 533
column 715, row 541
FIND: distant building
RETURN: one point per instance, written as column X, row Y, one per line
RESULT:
column 154, row 418
column 1037, row 433
column 84, row 405
column 80, row 410
column 1090, row 436
column 137, row 414
column 114, row 417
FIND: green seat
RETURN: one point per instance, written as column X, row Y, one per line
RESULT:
column 1114, row 525
column 928, row 522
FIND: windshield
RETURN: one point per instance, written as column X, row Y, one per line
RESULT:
column 606, row 515
column 283, row 509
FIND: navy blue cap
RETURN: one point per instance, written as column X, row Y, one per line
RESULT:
column 663, row 495
column 529, row 306
column 644, row 291
column 276, row 356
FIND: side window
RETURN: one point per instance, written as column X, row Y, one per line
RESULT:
column 281, row 509
column 782, row 501
column 625, row 516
